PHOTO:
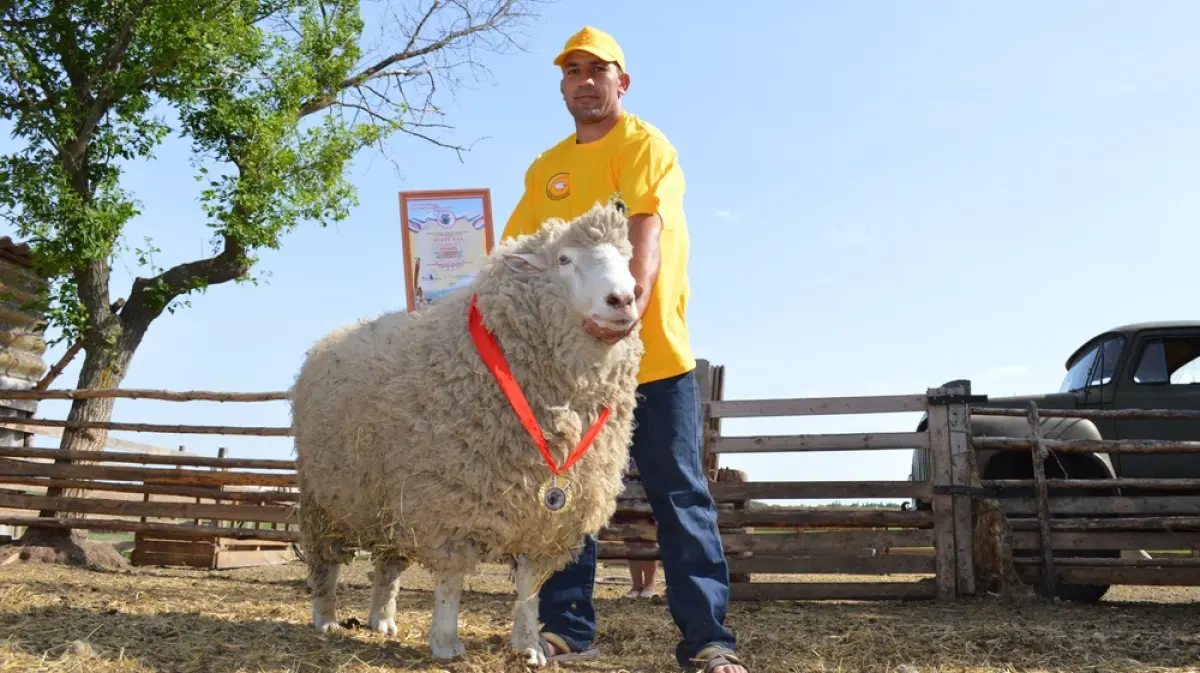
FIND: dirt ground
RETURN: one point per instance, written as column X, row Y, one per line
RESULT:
column 55, row 619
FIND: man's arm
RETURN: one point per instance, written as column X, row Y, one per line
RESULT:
column 644, row 233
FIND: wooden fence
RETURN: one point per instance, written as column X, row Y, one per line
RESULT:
column 188, row 498
column 178, row 502
column 1126, row 531
column 265, row 496
column 184, row 509
column 932, row 550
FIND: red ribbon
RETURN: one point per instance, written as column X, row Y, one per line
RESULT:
column 493, row 357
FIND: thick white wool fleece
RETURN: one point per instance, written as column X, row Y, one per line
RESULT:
column 407, row 446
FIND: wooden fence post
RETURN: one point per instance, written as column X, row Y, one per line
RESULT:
column 704, row 384
column 962, row 471
column 1042, row 496
column 183, row 449
column 945, row 567
column 222, row 452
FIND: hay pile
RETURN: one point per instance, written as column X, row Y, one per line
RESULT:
column 63, row 547
column 57, row 619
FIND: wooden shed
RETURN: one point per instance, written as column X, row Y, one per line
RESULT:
column 22, row 346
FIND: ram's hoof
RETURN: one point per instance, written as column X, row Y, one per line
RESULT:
column 386, row 627
column 533, row 656
column 447, row 650
column 329, row 627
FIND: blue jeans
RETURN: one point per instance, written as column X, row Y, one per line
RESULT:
column 666, row 448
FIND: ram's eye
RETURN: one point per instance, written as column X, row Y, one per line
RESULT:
column 563, row 260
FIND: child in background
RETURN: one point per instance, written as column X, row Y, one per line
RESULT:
column 640, row 572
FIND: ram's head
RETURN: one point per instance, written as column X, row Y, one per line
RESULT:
column 588, row 259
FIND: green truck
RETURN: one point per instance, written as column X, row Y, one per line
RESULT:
column 1153, row 365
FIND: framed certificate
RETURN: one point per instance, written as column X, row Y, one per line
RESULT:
column 446, row 234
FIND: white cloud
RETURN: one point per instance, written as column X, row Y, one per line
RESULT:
column 724, row 213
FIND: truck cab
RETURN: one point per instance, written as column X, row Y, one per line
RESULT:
column 1157, row 367
column 1139, row 366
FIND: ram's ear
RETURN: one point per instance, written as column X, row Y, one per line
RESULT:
column 524, row 263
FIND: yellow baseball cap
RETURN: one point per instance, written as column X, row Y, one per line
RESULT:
column 595, row 42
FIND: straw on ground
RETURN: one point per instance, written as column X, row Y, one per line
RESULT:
column 58, row 619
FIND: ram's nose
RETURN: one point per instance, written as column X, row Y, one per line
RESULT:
column 619, row 300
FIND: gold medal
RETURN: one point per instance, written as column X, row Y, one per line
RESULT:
column 555, row 494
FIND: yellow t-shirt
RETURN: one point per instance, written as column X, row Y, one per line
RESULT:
column 634, row 160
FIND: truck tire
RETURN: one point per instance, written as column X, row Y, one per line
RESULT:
column 1016, row 465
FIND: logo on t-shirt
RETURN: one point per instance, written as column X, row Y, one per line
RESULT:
column 559, row 186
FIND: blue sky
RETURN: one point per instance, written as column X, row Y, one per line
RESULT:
column 882, row 197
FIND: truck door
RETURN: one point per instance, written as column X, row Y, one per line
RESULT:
column 1164, row 373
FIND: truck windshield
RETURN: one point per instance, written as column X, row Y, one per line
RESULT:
column 1107, row 352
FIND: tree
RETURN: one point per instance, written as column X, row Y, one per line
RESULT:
column 276, row 97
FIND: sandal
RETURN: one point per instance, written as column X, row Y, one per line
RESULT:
column 564, row 653
column 718, row 655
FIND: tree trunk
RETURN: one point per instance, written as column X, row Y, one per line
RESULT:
column 67, row 546
column 102, row 368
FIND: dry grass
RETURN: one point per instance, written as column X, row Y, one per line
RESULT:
column 56, row 619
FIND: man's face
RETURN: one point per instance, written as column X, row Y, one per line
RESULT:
column 592, row 88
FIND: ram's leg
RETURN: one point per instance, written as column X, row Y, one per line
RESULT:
column 447, row 596
column 526, row 640
column 323, row 574
column 325, row 554
column 385, row 586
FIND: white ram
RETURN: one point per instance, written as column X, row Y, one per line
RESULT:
column 407, row 446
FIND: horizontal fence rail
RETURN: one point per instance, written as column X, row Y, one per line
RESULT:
column 148, row 459
column 1126, row 414
column 146, row 474
column 804, row 490
column 182, row 531
column 827, row 442
column 827, row 406
column 146, row 394
column 160, row 428
column 1090, row 445
column 143, row 394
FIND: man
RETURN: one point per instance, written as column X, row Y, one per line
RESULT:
column 615, row 153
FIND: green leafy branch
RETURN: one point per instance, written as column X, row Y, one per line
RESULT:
column 279, row 94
